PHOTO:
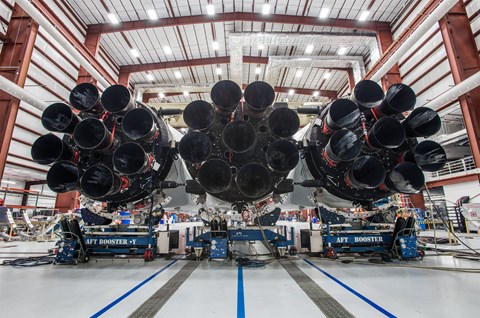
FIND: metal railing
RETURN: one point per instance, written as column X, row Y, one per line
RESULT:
column 460, row 166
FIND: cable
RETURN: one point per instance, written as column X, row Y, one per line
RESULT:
column 246, row 262
column 28, row 261
column 445, row 223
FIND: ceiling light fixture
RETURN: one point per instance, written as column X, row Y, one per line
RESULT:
column 342, row 51
column 210, row 9
column 134, row 52
column 258, row 70
column 261, row 46
column 150, row 77
column 186, row 94
column 215, row 45
column 309, row 49
column 167, row 50
column 266, row 9
column 324, row 12
column 316, row 94
column 299, row 73
column 178, row 74
column 152, row 14
column 161, row 95
column 291, row 92
column 364, row 15
column 113, row 18
column 8, row 182
column 327, row 75
column 219, row 71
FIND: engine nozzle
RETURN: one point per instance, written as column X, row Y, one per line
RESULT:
column 366, row 172
column 226, row 95
column 282, row 155
column 344, row 145
column 253, row 180
column 422, row 122
column 215, row 175
column 367, row 94
column 139, row 124
column 387, row 132
column 259, row 96
column 428, row 155
column 406, row 177
column 342, row 113
column 91, row 134
column 239, row 136
column 59, row 117
column 99, row 181
column 117, row 99
column 399, row 98
column 195, row 147
column 85, row 97
column 130, row 158
column 49, row 148
column 199, row 115
column 63, row 176
column 283, row 122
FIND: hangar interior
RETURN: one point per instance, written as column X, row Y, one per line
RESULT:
column 239, row 158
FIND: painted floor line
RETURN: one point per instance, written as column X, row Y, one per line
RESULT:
column 240, row 295
column 353, row 291
column 131, row 291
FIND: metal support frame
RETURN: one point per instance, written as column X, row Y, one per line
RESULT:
column 15, row 60
column 385, row 40
column 464, row 61
column 92, row 43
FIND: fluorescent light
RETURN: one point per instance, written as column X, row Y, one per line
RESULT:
column 266, row 8
column 299, row 73
column 215, row 45
column 327, row 75
column 167, row 50
column 309, row 49
column 178, row 74
column 150, row 77
column 113, row 18
column 186, row 94
column 324, row 12
column 152, row 14
column 258, row 70
column 134, row 53
column 161, row 95
column 364, row 15
column 342, row 51
column 219, row 71
column 291, row 92
column 261, row 46
column 210, row 9
column 316, row 93
column 8, row 182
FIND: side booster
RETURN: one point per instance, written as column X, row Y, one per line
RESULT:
column 363, row 148
column 114, row 149
column 239, row 150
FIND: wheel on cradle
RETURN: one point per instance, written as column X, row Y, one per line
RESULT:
column 331, row 254
column 421, row 253
column 85, row 258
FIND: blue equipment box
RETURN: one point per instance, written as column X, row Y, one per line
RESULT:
column 66, row 251
column 219, row 248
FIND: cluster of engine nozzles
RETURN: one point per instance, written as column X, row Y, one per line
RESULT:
column 229, row 130
column 361, row 127
column 113, row 126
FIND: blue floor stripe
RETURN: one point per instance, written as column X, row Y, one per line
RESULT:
column 353, row 291
column 131, row 291
column 240, row 295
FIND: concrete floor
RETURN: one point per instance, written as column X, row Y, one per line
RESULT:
column 116, row 289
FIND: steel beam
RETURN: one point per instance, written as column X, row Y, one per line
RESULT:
column 464, row 61
column 92, row 43
column 385, row 40
column 240, row 16
column 14, row 61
